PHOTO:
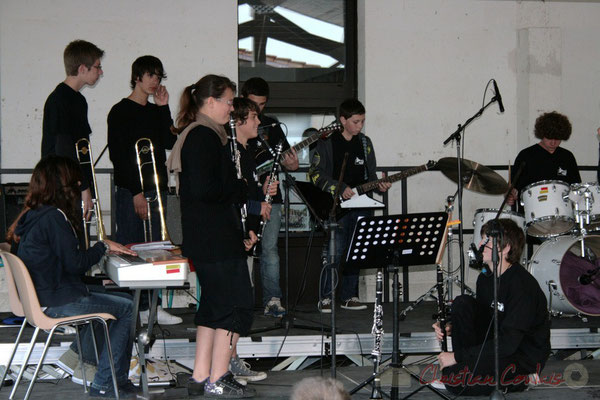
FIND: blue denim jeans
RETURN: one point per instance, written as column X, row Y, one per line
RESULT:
column 269, row 257
column 119, row 333
column 87, row 342
column 349, row 280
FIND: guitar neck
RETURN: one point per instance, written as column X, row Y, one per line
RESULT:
column 367, row 187
column 305, row 143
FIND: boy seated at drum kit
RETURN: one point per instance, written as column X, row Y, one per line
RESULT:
column 556, row 205
column 542, row 174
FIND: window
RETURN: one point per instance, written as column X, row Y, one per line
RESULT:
column 305, row 49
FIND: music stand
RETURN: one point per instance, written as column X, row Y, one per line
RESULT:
column 388, row 242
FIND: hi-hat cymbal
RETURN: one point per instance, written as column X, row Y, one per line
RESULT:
column 476, row 177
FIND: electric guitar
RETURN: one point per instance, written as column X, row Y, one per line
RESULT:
column 323, row 201
column 323, row 133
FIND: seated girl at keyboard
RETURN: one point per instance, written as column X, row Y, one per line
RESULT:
column 45, row 237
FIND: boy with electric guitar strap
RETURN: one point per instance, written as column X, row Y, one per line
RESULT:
column 326, row 164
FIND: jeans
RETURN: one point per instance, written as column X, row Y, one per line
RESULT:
column 269, row 257
column 87, row 342
column 130, row 228
column 343, row 236
column 119, row 333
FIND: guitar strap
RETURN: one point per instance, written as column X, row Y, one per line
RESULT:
column 365, row 145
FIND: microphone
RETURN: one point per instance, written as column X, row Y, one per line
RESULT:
column 476, row 256
column 266, row 127
column 498, row 96
column 264, row 142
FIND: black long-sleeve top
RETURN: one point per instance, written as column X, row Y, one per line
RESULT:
column 65, row 122
column 523, row 325
column 129, row 121
column 210, row 194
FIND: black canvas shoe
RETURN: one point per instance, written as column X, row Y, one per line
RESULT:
column 226, row 387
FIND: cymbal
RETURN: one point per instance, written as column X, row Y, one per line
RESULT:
column 476, row 177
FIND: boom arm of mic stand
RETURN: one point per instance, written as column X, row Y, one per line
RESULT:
column 456, row 134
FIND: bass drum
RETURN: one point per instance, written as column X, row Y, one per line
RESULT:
column 557, row 264
column 483, row 215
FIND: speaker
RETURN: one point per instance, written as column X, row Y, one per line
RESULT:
column 12, row 199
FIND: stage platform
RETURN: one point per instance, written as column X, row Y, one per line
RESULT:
column 293, row 353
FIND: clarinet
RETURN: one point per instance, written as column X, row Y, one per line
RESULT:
column 442, row 312
column 235, row 157
column 268, row 197
column 377, row 332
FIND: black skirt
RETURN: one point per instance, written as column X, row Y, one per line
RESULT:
column 226, row 300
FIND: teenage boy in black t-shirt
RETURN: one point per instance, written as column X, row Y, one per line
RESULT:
column 523, row 324
column 324, row 170
column 133, row 118
column 545, row 160
column 65, row 111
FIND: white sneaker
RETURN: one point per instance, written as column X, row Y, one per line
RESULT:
column 274, row 308
column 163, row 317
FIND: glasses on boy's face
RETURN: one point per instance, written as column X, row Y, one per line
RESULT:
column 98, row 67
column 228, row 102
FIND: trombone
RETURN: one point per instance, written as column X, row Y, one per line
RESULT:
column 145, row 156
column 85, row 158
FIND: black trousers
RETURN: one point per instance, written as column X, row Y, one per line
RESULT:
column 476, row 378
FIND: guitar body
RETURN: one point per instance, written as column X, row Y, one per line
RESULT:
column 322, row 202
column 361, row 201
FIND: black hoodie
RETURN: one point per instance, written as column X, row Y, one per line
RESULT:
column 50, row 250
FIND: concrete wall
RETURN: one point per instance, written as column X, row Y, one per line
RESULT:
column 424, row 65
column 423, row 68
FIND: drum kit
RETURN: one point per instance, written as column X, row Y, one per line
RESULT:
column 567, row 220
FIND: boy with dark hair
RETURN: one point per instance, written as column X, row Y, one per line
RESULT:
column 131, row 119
column 325, row 167
column 65, row 111
column 523, row 324
column 546, row 160
column 257, row 90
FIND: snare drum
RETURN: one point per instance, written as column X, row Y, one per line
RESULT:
column 483, row 215
column 548, row 211
column 557, row 265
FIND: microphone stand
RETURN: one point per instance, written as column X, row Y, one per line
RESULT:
column 494, row 233
column 457, row 137
column 331, row 227
column 288, row 320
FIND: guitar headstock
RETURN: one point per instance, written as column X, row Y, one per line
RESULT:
column 325, row 132
column 430, row 164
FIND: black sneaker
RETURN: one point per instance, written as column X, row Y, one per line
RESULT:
column 126, row 391
column 226, row 387
column 196, row 388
